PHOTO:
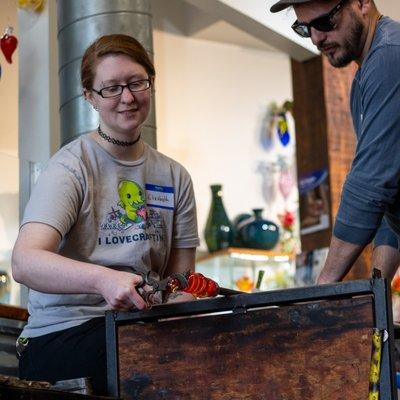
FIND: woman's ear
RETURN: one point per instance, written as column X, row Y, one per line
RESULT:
column 88, row 95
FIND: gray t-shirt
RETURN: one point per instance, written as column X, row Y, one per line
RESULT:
column 114, row 213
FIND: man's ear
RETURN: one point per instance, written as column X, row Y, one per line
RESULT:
column 366, row 6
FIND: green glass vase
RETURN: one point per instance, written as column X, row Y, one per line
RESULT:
column 218, row 232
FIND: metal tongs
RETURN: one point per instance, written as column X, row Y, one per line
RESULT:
column 176, row 280
column 150, row 278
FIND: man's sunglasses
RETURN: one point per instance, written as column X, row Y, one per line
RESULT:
column 322, row 23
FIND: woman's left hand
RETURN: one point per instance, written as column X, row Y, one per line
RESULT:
column 179, row 297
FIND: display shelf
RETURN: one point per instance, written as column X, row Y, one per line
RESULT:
column 239, row 268
column 246, row 253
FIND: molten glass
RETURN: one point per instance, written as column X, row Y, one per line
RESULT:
column 198, row 285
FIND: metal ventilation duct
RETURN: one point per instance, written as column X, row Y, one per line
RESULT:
column 80, row 23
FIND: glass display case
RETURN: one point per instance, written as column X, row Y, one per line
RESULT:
column 248, row 269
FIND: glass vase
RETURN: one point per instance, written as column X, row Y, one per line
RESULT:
column 259, row 233
column 218, row 232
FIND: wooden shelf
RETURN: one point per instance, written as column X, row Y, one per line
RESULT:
column 7, row 311
column 242, row 252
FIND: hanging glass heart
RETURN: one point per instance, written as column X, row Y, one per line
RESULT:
column 283, row 130
column 8, row 43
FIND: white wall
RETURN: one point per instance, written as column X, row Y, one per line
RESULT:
column 390, row 8
column 211, row 104
column 9, row 86
column 9, row 182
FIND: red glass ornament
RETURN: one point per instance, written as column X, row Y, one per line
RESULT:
column 8, row 44
column 212, row 288
column 201, row 286
column 288, row 220
column 198, row 285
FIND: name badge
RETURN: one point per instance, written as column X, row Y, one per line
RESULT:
column 160, row 196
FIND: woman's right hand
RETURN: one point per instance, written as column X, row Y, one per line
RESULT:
column 37, row 264
column 119, row 289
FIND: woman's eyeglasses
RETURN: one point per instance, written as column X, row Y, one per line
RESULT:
column 116, row 90
column 323, row 23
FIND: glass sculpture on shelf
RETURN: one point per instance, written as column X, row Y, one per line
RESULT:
column 240, row 269
column 258, row 233
column 5, row 287
column 218, row 232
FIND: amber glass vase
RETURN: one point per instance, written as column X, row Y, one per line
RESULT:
column 218, row 232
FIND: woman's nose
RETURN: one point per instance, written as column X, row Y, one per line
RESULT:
column 127, row 96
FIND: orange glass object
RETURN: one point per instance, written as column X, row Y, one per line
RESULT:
column 396, row 284
column 198, row 285
column 245, row 284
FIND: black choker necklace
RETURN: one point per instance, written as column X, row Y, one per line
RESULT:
column 116, row 141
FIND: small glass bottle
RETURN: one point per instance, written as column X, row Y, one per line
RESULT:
column 218, row 232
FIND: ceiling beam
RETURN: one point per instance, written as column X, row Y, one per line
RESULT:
column 254, row 18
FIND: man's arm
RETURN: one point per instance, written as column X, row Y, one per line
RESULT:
column 387, row 259
column 341, row 257
column 386, row 256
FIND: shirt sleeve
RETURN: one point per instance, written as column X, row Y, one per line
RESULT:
column 372, row 184
column 57, row 196
column 185, row 233
column 385, row 236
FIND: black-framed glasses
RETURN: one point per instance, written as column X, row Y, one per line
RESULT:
column 323, row 23
column 116, row 90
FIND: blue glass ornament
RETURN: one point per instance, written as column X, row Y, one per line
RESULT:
column 283, row 129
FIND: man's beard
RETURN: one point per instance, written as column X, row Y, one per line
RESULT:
column 351, row 48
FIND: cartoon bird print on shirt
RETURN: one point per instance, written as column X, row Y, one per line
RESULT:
column 132, row 200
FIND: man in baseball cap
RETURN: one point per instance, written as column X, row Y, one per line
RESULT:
column 354, row 30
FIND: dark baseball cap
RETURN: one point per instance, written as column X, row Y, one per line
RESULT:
column 282, row 4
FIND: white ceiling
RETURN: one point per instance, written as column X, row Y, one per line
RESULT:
column 188, row 18
column 230, row 21
column 222, row 31
column 178, row 16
